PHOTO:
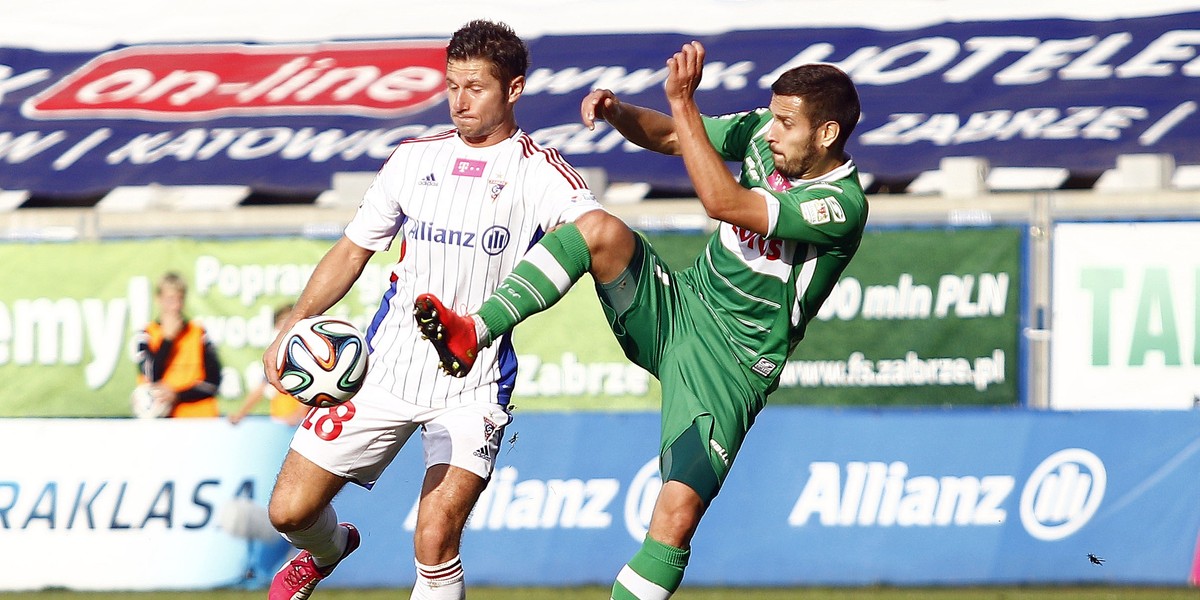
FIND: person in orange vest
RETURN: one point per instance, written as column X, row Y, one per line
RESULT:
column 284, row 408
column 176, row 358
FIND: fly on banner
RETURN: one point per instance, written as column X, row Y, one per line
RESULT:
column 1047, row 92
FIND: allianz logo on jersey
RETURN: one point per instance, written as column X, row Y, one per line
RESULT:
column 1060, row 496
column 493, row 240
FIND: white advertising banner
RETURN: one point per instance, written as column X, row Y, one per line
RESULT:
column 1125, row 327
column 125, row 504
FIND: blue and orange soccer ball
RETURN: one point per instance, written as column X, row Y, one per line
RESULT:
column 323, row 361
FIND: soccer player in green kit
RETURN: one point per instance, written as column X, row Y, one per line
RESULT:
column 718, row 333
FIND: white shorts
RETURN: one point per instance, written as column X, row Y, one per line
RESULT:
column 359, row 438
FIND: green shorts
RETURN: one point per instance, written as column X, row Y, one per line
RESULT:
column 662, row 325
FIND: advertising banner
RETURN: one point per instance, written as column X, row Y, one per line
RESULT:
column 138, row 505
column 817, row 496
column 936, row 326
column 1125, row 331
column 920, row 317
column 67, row 324
column 826, row 497
column 285, row 117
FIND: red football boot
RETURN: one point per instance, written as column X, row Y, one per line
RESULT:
column 452, row 334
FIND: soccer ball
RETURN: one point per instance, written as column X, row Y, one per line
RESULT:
column 322, row 361
column 146, row 404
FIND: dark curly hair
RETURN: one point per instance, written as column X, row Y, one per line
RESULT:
column 827, row 92
column 494, row 42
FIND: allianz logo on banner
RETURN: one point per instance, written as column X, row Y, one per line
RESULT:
column 509, row 503
column 1060, row 496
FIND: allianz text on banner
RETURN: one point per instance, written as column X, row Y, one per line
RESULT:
column 828, row 497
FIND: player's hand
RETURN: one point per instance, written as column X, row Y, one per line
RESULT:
column 271, row 360
column 684, row 71
column 597, row 106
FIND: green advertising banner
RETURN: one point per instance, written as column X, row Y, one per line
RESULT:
column 921, row 317
column 70, row 310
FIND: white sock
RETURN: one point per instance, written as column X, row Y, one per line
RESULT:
column 324, row 539
column 440, row 582
column 482, row 334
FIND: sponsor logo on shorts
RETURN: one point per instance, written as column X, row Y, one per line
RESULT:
column 721, row 453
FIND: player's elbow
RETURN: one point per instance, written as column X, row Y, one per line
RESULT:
column 738, row 215
column 719, row 207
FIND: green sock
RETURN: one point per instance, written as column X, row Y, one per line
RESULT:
column 654, row 573
column 548, row 270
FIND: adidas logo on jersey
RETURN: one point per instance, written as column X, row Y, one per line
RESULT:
column 482, row 452
column 428, row 180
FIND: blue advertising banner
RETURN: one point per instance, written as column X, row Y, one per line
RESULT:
column 818, row 497
column 827, row 497
column 121, row 504
column 285, row 117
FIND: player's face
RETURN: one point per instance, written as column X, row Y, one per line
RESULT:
column 481, row 106
column 797, row 145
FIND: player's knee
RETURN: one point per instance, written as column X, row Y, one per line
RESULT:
column 435, row 542
column 289, row 512
column 609, row 240
column 601, row 230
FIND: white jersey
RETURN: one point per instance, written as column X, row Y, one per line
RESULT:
column 466, row 216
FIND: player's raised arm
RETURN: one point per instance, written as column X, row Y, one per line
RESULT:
column 643, row 126
column 330, row 281
column 722, row 197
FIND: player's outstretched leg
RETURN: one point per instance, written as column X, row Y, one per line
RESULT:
column 300, row 576
column 548, row 270
column 452, row 334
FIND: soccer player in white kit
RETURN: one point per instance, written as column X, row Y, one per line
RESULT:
column 467, row 203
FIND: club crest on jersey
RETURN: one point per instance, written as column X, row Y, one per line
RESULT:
column 495, row 186
column 466, row 167
column 822, row 210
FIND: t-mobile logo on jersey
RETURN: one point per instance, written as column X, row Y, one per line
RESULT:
column 466, row 167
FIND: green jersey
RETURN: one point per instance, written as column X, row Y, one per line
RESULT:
column 763, row 290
